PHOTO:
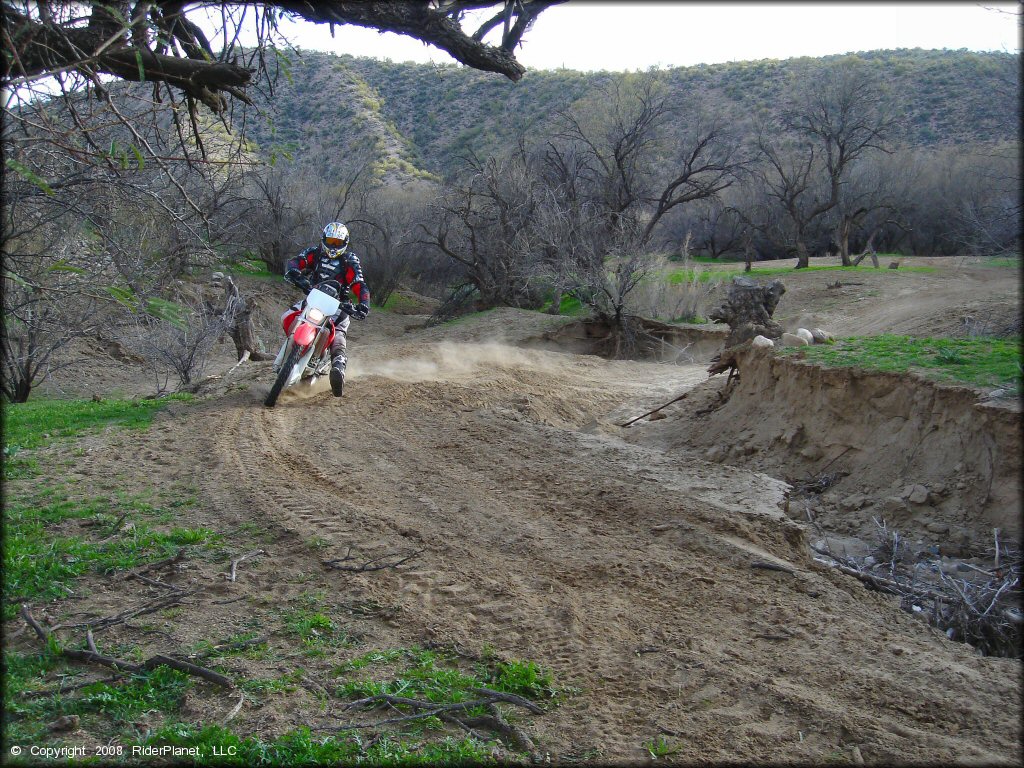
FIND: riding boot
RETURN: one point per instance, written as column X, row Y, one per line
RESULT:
column 338, row 356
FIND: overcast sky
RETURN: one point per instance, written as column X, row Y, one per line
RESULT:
column 637, row 35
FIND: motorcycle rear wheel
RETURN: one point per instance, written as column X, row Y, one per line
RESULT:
column 282, row 377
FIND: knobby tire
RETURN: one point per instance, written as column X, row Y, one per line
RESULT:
column 282, row 377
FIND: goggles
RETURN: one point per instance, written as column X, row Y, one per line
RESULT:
column 333, row 242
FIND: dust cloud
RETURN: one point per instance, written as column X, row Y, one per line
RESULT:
column 448, row 360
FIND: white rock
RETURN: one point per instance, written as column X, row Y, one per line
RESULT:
column 792, row 340
column 762, row 341
column 822, row 337
column 804, row 334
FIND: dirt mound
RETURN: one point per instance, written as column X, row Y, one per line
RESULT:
column 925, row 457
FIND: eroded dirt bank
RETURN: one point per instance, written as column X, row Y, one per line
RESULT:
column 927, row 458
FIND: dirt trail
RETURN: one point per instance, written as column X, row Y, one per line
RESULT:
column 626, row 571
column 630, row 568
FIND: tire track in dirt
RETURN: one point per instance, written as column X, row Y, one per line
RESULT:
column 624, row 571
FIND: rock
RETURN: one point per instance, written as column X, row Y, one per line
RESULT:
column 657, row 416
column 870, row 560
column 804, row 334
column 792, row 340
column 762, row 342
column 812, row 453
column 894, row 504
column 915, row 494
column 852, row 502
column 822, row 337
column 64, row 723
column 715, row 453
column 937, row 527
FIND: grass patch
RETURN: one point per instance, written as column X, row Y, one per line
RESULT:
column 250, row 268
column 41, row 564
column 104, row 708
column 1012, row 262
column 688, row 275
column 40, row 422
column 435, row 676
column 300, row 747
column 979, row 362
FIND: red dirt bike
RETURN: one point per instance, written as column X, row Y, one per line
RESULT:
column 306, row 352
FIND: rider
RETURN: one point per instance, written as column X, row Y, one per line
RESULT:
column 332, row 260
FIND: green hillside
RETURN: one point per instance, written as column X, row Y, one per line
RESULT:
column 420, row 118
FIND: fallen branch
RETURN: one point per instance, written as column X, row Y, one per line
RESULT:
column 236, row 561
column 188, row 668
column 765, row 566
column 154, row 566
column 374, row 564
column 666, row 405
column 235, row 710
column 61, row 689
column 150, row 607
column 450, row 713
column 92, row 657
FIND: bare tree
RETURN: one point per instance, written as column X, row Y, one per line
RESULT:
column 486, row 224
column 809, row 150
column 391, row 249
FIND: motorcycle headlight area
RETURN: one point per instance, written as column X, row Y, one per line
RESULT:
column 315, row 316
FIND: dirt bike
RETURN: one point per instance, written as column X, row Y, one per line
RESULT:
column 306, row 352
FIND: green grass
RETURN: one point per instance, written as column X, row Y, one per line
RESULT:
column 1014, row 262
column 686, row 275
column 103, row 707
column 301, row 747
column 979, row 362
column 660, row 748
column 251, row 268
column 42, row 564
column 435, row 676
column 40, row 422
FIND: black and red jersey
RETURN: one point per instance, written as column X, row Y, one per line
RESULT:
column 316, row 265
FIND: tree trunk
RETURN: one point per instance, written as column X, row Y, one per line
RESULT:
column 237, row 315
column 802, row 254
column 843, row 232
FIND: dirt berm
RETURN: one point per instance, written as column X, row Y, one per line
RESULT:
column 923, row 456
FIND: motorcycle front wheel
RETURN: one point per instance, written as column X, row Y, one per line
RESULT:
column 282, row 377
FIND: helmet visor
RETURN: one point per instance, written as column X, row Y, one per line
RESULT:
column 333, row 242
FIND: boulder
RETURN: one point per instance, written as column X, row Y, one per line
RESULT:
column 792, row 340
column 762, row 342
column 804, row 334
column 916, row 494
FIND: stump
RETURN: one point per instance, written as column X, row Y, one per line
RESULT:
column 748, row 310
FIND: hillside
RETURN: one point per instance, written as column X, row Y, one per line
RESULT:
column 424, row 116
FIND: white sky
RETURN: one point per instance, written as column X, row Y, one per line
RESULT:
column 637, row 35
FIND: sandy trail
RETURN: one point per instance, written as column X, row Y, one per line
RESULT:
column 628, row 573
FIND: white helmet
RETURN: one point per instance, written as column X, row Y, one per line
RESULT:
column 335, row 239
